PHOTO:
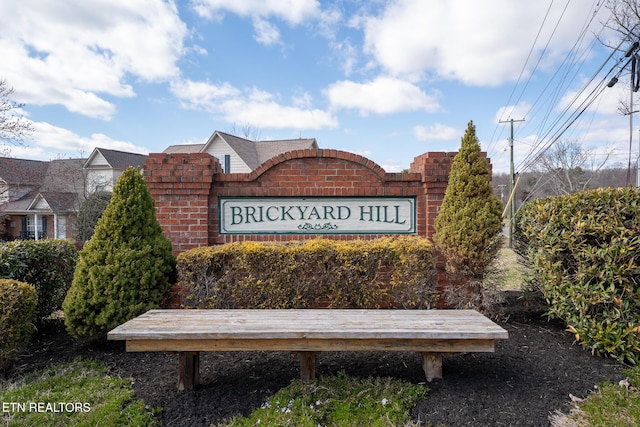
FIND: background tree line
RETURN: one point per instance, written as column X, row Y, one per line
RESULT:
column 567, row 167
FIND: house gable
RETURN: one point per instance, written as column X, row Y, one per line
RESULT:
column 39, row 204
column 238, row 150
column 243, row 154
column 104, row 167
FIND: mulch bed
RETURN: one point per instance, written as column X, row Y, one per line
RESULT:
column 529, row 376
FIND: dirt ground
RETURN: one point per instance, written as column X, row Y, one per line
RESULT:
column 529, row 376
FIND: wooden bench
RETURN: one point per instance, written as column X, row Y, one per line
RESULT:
column 308, row 332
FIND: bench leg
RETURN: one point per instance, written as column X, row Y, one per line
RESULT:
column 308, row 365
column 188, row 370
column 432, row 365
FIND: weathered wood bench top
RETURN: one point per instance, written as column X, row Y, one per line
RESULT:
column 431, row 332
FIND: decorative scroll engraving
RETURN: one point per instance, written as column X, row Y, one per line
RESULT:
column 326, row 226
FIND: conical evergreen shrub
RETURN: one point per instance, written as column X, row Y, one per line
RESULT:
column 469, row 222
column 126, row 267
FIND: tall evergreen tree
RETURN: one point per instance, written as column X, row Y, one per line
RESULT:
column 126, row 267
column 469, row 222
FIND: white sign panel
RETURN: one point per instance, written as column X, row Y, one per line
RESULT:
column 317, row 215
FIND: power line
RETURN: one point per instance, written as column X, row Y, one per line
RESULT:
column 561, row 127
column 567, row 65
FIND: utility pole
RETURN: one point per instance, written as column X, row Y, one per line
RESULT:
column 634, row 79
column 512, row 182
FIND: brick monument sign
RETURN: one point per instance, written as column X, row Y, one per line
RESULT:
column 300, row 194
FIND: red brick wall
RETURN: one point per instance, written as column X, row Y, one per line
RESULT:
column 186, row 188
column 180, row 184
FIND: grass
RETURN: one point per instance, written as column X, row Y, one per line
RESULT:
column 513, row 272
column 612, row 405
column 79, row 393
column 338, row 400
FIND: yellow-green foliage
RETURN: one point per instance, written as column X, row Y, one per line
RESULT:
column 351, row 274
column 17, row 314
column 469, row 222
column 585, row 254
column 127, row 266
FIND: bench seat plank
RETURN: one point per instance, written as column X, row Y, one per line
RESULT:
column 308, row 324
column 308, row 332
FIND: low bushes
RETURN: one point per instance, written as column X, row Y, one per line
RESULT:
column 584, row 250
column 17, row 310
column 48, row 265
column 353, row 274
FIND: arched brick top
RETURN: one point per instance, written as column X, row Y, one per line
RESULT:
column 318, row 153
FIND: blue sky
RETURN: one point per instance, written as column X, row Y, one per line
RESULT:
column 385, row 79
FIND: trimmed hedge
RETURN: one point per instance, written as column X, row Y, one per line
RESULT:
column 352, row 274
column 48, row 265
column 584, row 250
column 17, row 311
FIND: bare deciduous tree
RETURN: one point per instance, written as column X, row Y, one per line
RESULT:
column 625, row 20
column 13, row 127
column 568, row 167
column 246, row 131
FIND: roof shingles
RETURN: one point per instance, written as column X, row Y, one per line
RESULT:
column 252, row 153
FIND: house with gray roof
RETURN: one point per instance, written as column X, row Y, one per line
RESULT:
column 240, row 155
column 40, row 199
column 103, row 167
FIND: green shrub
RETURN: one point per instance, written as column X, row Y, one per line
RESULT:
column 585, row 254
column 359, row 273
column 126, row 268
column 469, row 222
column 17, row 311
column 48, row 265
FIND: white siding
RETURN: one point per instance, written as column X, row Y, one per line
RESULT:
column 219, row 148
column 41, row 205
column 98, row 160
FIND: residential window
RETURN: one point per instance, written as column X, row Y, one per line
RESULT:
column 28, row 231
column 62, row 227
column 227, row 163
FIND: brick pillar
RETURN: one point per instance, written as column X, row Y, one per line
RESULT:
column 180, row 184
column 435, row 168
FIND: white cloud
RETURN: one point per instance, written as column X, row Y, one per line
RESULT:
column 515, row 112
column 384, row 95
column 202, row 95
column 74, row 53
column 292, row 11
column 481, row 43
column 329, row 21
column 393, row 165
column 266, row 33
column 346, row 53
column 437, row 132
column 252, row 106
column 50, row 142
column 609, row 101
